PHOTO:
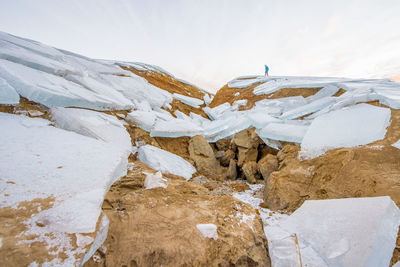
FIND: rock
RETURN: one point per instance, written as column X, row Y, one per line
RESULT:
column 220, row 154
column 339, row 173
column 267, row 165
column 247, row 139
column 246, row 154
column 159, row 227
column 250, row 171
column 225, row 160
column 223, row 144
column 265, row 150
column 202, row 154
column 232, row 172
column 287, row 154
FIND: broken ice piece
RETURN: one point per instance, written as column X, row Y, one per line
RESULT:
column 208, row 230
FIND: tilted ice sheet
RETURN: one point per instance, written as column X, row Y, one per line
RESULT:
column 94, row 124
column 164, row 161
column 283, row 132
column 144, row 119
column 356, row 125
column 308, row 108
column 191, row 101
column 41, row 161
column 8, row 95
column 175, row 128
column 334, row 231
column 51, row 90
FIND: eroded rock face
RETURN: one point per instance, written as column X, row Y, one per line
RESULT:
column 226, row 159
column 232, row 171
column 250, row 171
column 158, row 226
column 203, row 156
column 367, row 171
column 267, row 165
column 246, row 155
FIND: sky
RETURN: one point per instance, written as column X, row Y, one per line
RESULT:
column 210, row 42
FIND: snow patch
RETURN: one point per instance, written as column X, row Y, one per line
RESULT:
column 208, row 230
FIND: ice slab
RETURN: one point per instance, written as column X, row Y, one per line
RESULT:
column 356, row 125
column 283, row 132
column 207, row 99
column 190, row 101
column 260, row 119
column 144, row 119
column 308, row 108
column 154, row 181
column 94, row 124
column 8, row 95
column 397, row 144
column 243, row 82
column 328, row 90
column 101, row 236
column 208, row 230
column 340, row 232
column 42, row 161
column 218, row 111
column 175, row 128
column 164, row 161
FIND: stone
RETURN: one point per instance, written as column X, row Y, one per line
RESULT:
column 225, row 160
column 250, row 171
column 247, row 139
column 223, row 144
column 232, row 172
column 220, row 154
column 267, row 165
column 246, row 154
column 203, row 156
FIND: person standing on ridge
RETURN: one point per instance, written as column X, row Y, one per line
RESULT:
column 266, row 70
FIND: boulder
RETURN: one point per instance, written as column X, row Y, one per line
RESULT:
column 267, row 165
column 228, row 156
column 232, row 172
column 247, row 139
column 160, row 227
column 203, row 156
column 246, row 154
column 250, row 171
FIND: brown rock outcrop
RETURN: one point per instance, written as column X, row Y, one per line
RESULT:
column 203, row 156
column 267, row 165
column 228, row 156
column 232, row 172
column 246, row 155
column 250, row 171
column 158, row 227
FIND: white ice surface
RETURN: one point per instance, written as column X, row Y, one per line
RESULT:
column 164, row 161
column 101, row 236
column 208, row 230
column 55, row 77
column 283, row 132
column 94, row 124
column 357, row 125
column 144, row 119
column 154, row 181
column 175, row 128
column 338, row 232
column 74, row 169
column 191, row 101
column 8, row 95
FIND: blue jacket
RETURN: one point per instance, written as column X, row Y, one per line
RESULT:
column 266, row 68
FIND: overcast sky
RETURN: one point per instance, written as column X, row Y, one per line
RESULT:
column 211, row 42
